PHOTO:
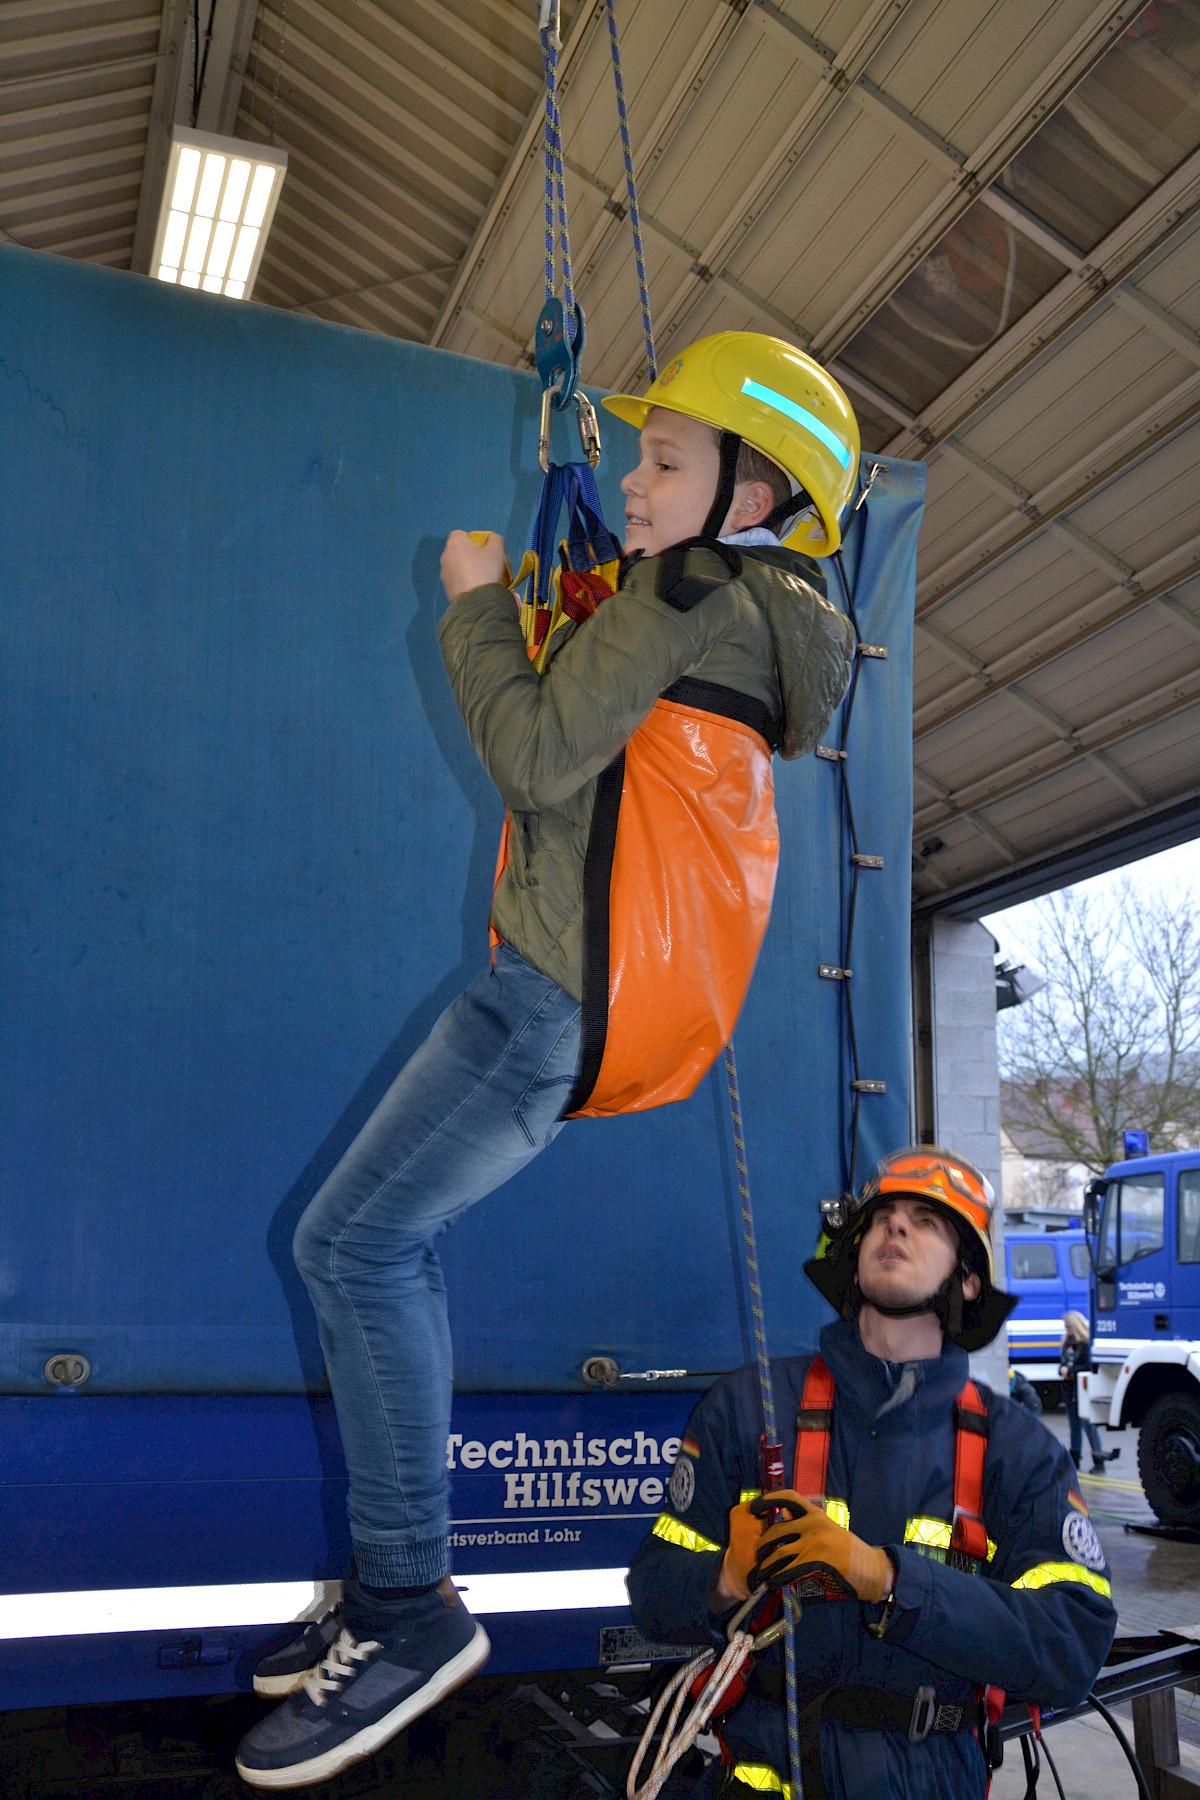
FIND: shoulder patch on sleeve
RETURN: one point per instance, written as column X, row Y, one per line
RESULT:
column 1080, row 1541
column 1077, row 1501
column 681, row 1489
column 691, row 1446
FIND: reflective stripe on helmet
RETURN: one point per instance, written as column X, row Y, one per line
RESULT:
column 802, row 416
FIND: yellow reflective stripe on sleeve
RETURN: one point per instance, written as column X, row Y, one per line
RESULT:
column 762, row 1778
column 748, row 1494
column 672, row 1532
column 1047, row 1573
column 933, row 1532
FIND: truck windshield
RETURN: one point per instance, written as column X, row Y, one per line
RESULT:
column 1132, row 1225
column 1106, row 1246
column 1189, row 1216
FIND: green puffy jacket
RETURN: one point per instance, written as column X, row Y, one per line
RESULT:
column 544, row 739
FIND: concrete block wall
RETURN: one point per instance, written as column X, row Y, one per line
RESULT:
column 967, row 1074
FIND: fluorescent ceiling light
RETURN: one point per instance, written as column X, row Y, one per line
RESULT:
column 218, row 202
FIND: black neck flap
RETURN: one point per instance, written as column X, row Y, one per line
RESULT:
column 731, row 445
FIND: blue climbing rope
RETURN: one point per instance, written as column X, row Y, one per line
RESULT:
column 556, row 195
column 635, row 216
column 791, row 1606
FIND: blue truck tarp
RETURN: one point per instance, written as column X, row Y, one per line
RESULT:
column 247, row 860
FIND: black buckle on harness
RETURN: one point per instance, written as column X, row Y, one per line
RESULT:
column 924, row 1713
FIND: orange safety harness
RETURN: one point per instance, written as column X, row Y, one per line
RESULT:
column 968, row 1534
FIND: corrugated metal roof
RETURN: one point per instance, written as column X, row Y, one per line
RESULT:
column 986, row 219
column 76, row 79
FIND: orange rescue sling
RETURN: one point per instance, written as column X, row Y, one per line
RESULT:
column 678, row 882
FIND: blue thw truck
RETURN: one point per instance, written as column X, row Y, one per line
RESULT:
column 1143, row 1220
column 1048, row 1272
column 247, row 861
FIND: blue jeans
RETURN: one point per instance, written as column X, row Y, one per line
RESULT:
column 1079, row 1426
column 476, row 1102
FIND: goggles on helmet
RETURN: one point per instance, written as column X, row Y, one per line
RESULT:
column 948, row 1180
column 958, row 1189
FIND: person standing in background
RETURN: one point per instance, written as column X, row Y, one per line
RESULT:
column 1076, row 1359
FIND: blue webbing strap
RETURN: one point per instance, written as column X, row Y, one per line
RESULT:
column 589, row 541
column 635, row 217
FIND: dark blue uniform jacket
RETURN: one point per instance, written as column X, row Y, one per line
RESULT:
column 1037, row 1621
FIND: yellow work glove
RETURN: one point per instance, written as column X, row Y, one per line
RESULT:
column 745, row 1535
column 822, row 1560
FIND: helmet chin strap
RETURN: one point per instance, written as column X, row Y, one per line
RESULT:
column 946, row 1304
column 731, row 445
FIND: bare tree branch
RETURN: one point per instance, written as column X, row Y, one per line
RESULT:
column 1112, row 1043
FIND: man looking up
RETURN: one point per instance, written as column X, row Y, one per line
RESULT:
column 931, row 1532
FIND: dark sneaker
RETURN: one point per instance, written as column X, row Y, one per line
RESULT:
column 284, row 1670
column 366, row 1689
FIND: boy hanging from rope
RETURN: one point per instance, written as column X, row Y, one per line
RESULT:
column 641, row 854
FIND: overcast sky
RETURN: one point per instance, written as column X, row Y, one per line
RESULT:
column 1172, row 870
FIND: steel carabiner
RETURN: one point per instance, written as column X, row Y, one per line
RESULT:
column 585, row 418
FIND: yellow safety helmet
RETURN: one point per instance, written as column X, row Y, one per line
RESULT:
column 775, row 397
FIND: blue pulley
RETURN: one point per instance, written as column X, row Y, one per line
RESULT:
column 557, row 357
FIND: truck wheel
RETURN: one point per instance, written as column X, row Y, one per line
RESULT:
column 1169, row 1458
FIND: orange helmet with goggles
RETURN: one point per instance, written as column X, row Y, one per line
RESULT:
column 957, row 1188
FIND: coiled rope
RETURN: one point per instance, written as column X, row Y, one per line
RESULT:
column 677, row 1739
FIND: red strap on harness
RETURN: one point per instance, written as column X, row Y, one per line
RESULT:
column 967, row 1533
column 814, row 1424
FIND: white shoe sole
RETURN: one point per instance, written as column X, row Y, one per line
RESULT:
column 443, row 1681
column 278, row 1687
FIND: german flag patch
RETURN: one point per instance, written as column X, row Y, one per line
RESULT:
column 1077, row 1501
column 693, row 1449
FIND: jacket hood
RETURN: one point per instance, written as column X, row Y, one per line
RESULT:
column 813, row 641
